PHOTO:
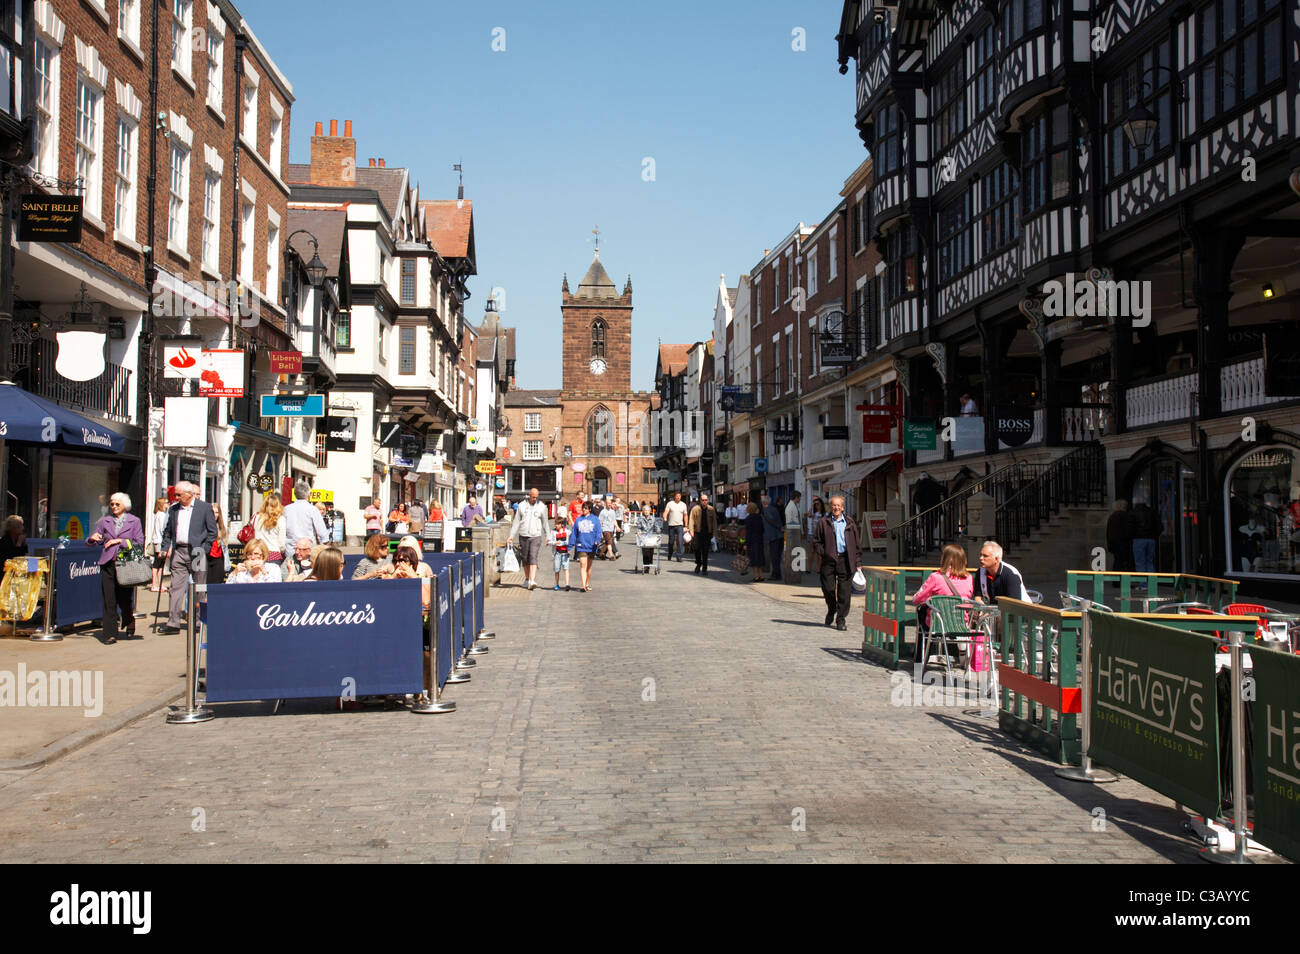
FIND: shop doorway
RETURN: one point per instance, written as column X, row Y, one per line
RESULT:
column 599, row 482
column 1171, row 489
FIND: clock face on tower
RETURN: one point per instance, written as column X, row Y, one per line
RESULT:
column 597, row 365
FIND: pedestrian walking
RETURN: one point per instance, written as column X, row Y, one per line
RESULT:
column 120, row 529
column 675, row 524
column 301, row 518
column 157, row 521
column 815, row 517
column 1119, row 538
column 839, row 544
column 609, row 530
column 271, row 527
column 374, row 515
column 419, row 515
column 471, row 513
column 530, row 529
column 585, row 539
column 1146, row 531
column 704, row 526
column 575, row 507
column 559, row 541
column 773, row 536
column 191, row 528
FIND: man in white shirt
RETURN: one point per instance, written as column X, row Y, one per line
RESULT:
column 302, row 519
column 675, row 522
column 792, row 513
column 530, row 528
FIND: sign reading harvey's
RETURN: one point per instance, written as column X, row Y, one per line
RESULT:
column 49, row 218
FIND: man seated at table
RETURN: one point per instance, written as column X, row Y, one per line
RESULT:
column 997, row 578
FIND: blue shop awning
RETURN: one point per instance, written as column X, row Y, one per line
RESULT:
column 26, row 417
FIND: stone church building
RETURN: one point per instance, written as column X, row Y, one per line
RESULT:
column 607, row 437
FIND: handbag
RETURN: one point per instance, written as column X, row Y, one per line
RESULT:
column 740, row 564
column 214, row 551
column 246, row 532
column 132, row 567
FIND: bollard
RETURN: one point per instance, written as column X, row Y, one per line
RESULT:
column 191, row 712
column 1237, row 856
column 430, row 700
column 48, row 633
column 1085, row 772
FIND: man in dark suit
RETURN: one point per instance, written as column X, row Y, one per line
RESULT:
column 191, row 528
column 703, row 525
column 839, row 544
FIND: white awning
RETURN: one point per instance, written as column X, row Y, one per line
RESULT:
column 853, row 476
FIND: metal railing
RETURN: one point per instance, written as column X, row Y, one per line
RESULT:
column 108, row 395
column 1076, row 480
column 946, row 520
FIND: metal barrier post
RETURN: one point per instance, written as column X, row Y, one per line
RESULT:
column 459, row 660
column 191, row 711
column 1085, row 772
column 1237, row 856
column 428, row 701
column 48, row 634
column 474, row 649
column 484, row 633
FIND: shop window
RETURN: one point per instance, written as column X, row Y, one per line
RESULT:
column 1263, row 513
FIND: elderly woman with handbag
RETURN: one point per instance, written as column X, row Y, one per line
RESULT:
column 119, row 532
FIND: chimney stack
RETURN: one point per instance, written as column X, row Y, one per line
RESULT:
column 381, row 163
column 334, row 157
column 320, row 129
column 372, row 162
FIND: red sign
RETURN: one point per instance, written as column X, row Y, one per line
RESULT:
column 879, row 527
column 875, row 428
column 286, row 362
column 499, row 470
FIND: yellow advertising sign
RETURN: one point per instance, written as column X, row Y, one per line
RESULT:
column 486, row 467
column 321, row 496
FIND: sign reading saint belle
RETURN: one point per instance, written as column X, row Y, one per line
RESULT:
column 49, row 218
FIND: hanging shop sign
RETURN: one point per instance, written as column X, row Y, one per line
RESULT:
column 835, row 432
column 760, row 465
column 181, row 358
column 1013, row 426
column 486, row 467
column 191, row 470
column 733, row 399
column 919, row 435
column 266, row 483
column 221, row 372
column 783, row 438
column 293, row 405
column 876, row 428
column 341, row 434
column 286, row 362
column 49, row 218
column 321, row 496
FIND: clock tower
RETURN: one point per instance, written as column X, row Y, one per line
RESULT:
column 597, row 333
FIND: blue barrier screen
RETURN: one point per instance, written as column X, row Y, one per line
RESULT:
column 478, row 591
column 78, row 593
column 307, row 640
column 443, row 611
column 463, row 583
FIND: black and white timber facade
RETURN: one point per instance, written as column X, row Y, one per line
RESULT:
column 1004, row 173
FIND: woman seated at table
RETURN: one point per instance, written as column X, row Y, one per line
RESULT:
column 326, row 565
column 14, row 541
column 375, row 560
column 407, row 565
column 951, row 579
column 254, row 567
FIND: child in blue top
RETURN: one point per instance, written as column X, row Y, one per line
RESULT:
column 584, row 540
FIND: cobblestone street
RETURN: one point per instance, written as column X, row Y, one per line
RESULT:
column 657, row 718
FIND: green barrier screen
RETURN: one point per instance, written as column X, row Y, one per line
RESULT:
column 1153, row 708
column 1277, row 751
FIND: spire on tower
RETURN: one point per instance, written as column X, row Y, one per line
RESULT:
column 565, row 286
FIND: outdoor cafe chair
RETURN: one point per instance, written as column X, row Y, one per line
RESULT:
column 948, row 626
column 1074, row 604
column 1189, row 608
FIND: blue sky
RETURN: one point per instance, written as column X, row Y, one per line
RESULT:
column 748, row 137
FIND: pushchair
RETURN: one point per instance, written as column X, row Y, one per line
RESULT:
column 647, row 542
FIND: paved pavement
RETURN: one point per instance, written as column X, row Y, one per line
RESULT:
column 657, row 718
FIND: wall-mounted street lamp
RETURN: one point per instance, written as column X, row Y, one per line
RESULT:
column 315, row 268
column 1141, row 124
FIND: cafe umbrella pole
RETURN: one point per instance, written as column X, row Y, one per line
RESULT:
column 191, row 712
column 1085, row 772
column 47, row 633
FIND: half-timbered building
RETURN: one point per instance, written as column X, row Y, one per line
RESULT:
column 1088, row 216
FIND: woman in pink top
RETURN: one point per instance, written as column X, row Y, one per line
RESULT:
column 951, row 579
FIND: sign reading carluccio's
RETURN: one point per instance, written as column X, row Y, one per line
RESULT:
column 1276, row 759
column 1153, row 708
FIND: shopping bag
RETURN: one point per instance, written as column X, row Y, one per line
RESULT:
column 740, row 564
column 859, row 581
column 509, row 562
column 687, row 536
column 22, row 587
column 132, row 567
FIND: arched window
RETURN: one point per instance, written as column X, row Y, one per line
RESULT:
column 598, row 329
column 1262, row 513
column 600, row 432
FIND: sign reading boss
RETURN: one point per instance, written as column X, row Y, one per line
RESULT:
column 1014, row 426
